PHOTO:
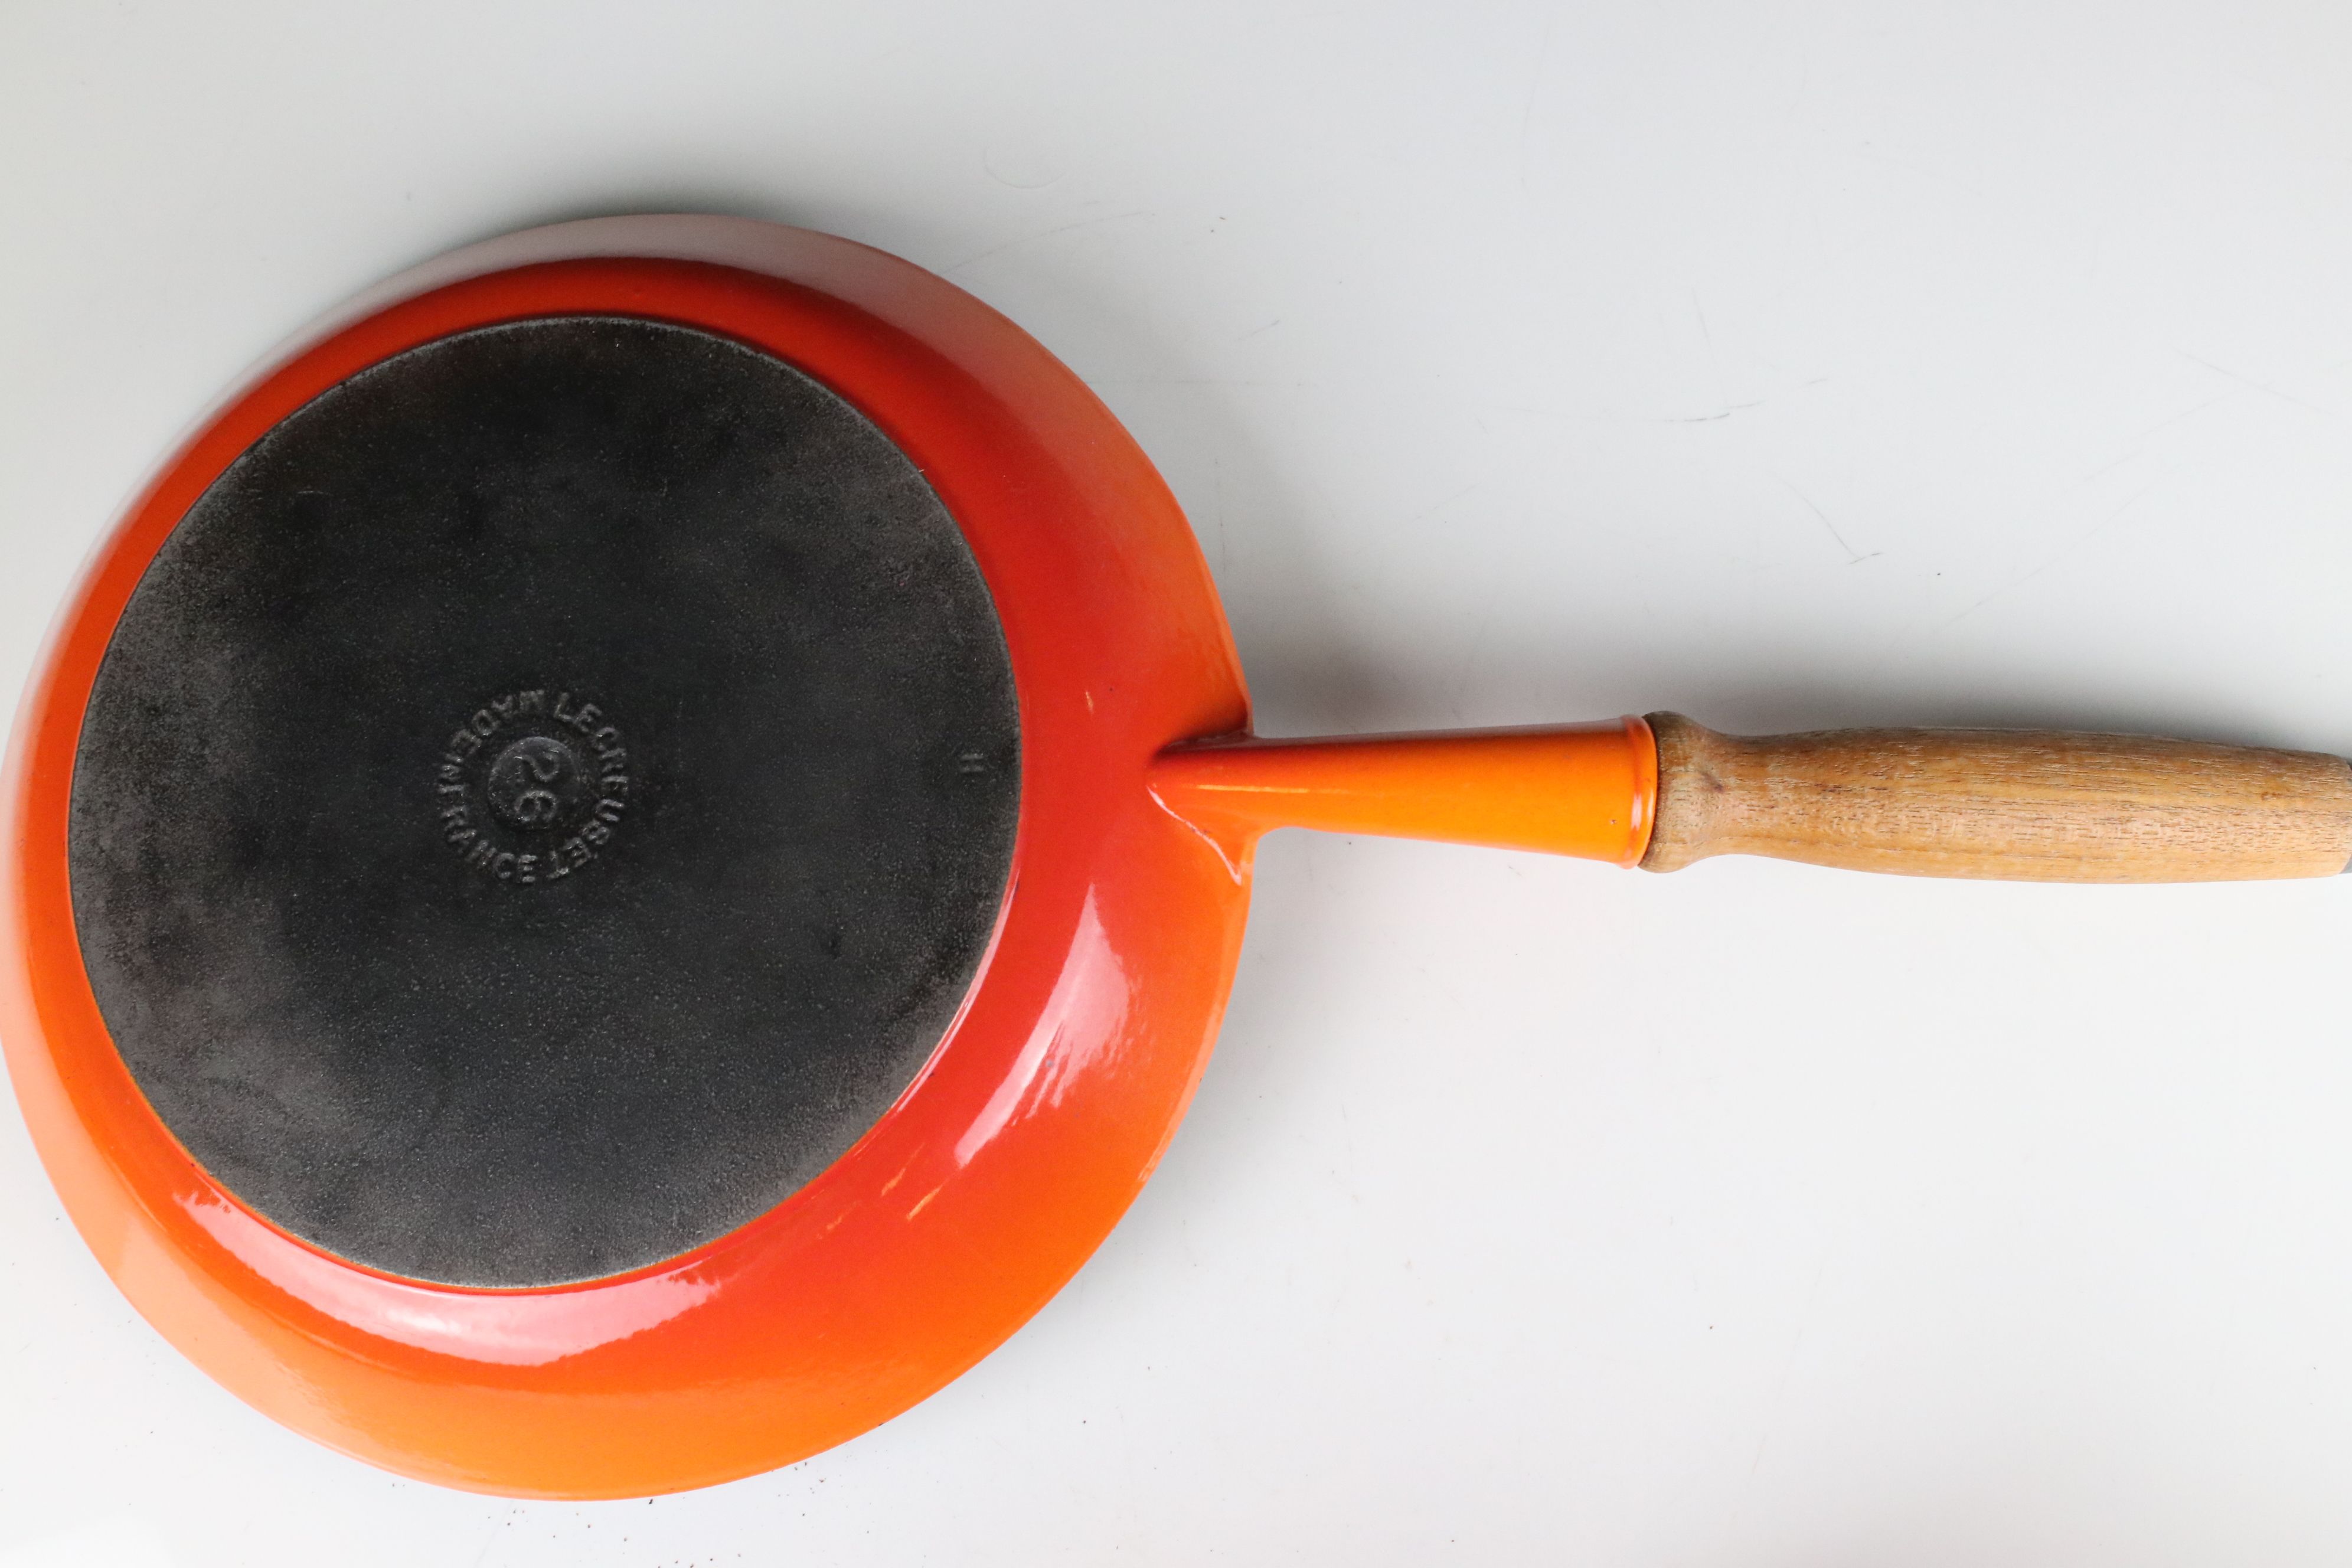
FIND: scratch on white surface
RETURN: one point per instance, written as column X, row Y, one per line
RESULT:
column 1583, row 416
column 980, row 255
column 1923, row 171
column 1853, row 556
column 1706, row 337
column 2055, row 557
column 1434, row 508
column 1245, row 383
column 1728, row 410
column 1787, row 1370
column 2137, row 442
column 1534, row 84
column 2257, row 385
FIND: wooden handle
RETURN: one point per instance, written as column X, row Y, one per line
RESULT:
column 2021, row 804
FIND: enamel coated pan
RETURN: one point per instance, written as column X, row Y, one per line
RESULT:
column 631, row 856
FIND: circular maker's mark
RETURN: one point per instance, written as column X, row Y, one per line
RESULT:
column 535, row 782
column 532, row 786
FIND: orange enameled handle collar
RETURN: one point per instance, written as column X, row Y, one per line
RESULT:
column 1587, row 790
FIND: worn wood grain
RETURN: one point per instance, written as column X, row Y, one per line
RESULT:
column 2015, row 805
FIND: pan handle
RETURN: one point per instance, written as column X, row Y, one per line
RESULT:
column 1585, row 790
column 2015, row 805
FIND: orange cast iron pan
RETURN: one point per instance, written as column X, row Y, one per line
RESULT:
column 632, row 853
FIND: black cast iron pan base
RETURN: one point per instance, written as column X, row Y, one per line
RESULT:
column 544, row 802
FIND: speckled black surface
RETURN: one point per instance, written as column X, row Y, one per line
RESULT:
column 768, row 861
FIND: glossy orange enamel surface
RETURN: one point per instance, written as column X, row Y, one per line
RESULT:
column 997, row 1172
column 1588, row 790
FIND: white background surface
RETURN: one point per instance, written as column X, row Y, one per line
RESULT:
column 1788, row 364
